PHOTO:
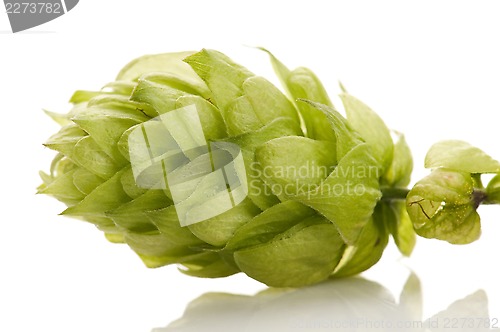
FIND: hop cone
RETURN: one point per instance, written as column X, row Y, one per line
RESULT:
column 189, row 158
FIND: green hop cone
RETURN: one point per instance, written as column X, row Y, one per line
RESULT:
column 443, row 205
column 191, row 159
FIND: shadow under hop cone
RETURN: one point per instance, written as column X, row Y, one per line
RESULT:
column 353, row 304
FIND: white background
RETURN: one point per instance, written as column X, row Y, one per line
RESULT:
column 431, row 69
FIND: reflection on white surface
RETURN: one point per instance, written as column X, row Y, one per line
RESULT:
column 353, row 304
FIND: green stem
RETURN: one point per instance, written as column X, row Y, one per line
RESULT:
column 394, row 193
column 480, row 197
column 476, row 178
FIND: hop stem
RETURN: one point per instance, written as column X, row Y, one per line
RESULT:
column 480, row 197
column 394, row 193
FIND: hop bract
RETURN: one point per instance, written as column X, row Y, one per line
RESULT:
column 190, row 158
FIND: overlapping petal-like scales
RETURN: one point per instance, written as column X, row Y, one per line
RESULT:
column 124, row 159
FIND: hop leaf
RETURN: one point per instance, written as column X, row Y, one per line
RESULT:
column 441, row 206
column 460, row 156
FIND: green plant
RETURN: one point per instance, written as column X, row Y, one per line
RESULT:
column 322, row 192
